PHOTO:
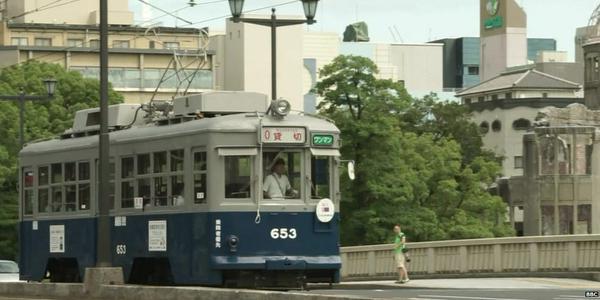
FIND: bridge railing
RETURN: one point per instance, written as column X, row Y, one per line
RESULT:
column 564, row 253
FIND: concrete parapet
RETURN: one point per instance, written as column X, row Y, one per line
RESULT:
column 522, row 256
column 114, row 292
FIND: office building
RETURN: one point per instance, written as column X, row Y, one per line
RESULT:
column 68, row 35
column 418, row 66
column 243, row 59
column 462, row 58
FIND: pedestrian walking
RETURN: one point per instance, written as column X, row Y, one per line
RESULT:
column 399, row 254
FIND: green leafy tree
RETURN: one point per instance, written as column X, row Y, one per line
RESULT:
column 415, row 164
column 43, row 119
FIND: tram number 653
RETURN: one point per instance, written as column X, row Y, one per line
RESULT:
column 121, row 249
column 283, row 233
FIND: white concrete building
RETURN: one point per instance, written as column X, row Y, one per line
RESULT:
column 243, row 57
column 419, row 66
column 243, row 61
column 552, row 57
column 506, row 106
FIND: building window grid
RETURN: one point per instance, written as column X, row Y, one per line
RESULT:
column 45, row 42
column 158, row 180
column 120, row 44
column 19, row 41
column 171, row 45
column 94, row 43
column 147, row 78
column 518, row 162
column 75, row 43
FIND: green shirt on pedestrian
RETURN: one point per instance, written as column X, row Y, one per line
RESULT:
column 399, row 244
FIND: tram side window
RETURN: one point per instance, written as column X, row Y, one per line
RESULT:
column 143, row 161
column 56, row 173
column 161, row 193
column 28, row 191
column 70, row 197
column 320, row 166
column 57, row 204
column 176, row 180
column 160, row 162
column 158, row 179
column 84, row 196
column 83, row 186
column 43, row 175
column 127, row 182
column 145, row 190
column 127, row 192
column 43, row 198
column 70, row 171
column 177, row 190
column 238, row 170
column 199, row 177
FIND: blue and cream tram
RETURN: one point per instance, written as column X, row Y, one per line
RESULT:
column 189, row 203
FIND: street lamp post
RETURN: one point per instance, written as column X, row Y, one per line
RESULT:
column 22, row 97
column 310, row 10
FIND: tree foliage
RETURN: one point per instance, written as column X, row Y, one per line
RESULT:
column 43, row 119
column 419, row 161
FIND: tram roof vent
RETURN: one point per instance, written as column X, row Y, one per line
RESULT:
column 220, row 102
column 119, row 116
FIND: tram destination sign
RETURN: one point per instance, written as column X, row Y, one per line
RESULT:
column 283, row 135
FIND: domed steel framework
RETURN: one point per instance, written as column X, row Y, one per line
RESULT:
column 593, row 24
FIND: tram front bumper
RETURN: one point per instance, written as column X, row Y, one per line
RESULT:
column 276, row 262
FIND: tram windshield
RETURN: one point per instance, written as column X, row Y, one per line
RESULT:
column 282, row 174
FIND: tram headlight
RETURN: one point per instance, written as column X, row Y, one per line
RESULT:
column 233, row 242
column 281, row 107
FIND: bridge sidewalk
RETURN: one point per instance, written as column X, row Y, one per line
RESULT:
column 477, row 283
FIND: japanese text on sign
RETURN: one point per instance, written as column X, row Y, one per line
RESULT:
column 57, row 238
column 283, row 135
column 157, row 235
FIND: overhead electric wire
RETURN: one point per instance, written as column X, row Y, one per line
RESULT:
column 247, row 11
column 42, row 8
column 161, row 16
column 164, row 11
column 134, row 37
column 178, row 10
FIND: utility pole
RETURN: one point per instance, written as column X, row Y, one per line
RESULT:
column 103, row 273
column 103, row 242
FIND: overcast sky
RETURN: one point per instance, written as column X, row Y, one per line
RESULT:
column 417, row 21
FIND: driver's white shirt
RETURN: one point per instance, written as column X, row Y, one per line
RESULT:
column 276, row 185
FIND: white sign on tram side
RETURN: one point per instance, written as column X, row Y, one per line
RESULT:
column 157, row 235
column 57, row 238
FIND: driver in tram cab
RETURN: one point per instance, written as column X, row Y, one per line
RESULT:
column 277, row 185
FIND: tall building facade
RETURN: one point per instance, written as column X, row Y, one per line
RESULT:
column 244, row 60
column 418, row 66
column 141, row 60
column 462, row 58
column 503, row 33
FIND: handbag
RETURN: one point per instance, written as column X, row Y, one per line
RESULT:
column 405, row 253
